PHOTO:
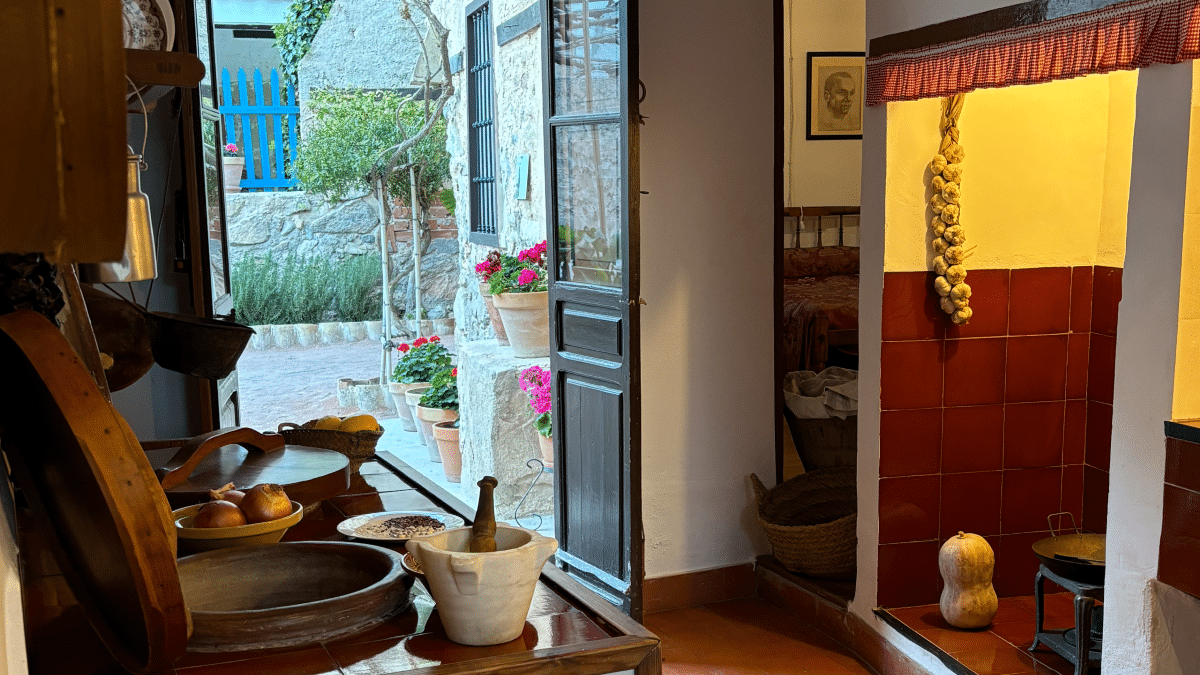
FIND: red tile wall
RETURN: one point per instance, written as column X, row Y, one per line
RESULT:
column 1179, row 547
column 990, row 427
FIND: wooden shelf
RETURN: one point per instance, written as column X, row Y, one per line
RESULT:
column 172, row 69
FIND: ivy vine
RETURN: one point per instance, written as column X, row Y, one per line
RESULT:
column 294, row 36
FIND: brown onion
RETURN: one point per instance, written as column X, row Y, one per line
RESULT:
column 219, row 513
column 227, row 493
column 266, row 501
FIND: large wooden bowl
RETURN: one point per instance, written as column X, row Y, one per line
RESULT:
column 198, row 539
column 290, row 594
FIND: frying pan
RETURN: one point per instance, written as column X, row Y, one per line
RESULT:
column 1078, row 557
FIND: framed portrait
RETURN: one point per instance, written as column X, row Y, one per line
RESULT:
column 835, row 95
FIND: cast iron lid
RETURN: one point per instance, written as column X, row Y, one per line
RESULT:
column 94, row 495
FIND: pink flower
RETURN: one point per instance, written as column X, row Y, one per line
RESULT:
column 419, row 341
column 527, row 277
column 454, row 373
column 403, row 347
column 435, row 339
column 230, row 147
column 540, row 403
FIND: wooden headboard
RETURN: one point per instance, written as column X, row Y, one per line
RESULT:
column 820, row 226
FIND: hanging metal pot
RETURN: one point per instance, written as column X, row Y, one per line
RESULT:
column 139, row 263
column 195, row 345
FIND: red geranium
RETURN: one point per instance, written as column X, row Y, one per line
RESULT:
column 403, row 347
column 454, row 372
column 419, row 341
column 435, row 339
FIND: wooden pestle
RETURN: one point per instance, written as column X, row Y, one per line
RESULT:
column 483, row 530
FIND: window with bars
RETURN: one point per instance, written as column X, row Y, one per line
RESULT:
column 481, row 114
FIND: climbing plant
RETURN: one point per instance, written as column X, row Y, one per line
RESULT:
column 294, row 36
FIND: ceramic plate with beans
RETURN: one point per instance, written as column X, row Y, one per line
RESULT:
column 397, row 526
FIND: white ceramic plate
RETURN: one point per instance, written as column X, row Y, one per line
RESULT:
column 143, row 20
column 350, row 526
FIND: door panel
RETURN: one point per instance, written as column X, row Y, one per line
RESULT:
column 592, row 196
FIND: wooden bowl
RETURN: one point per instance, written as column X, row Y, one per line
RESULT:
column 196, row 539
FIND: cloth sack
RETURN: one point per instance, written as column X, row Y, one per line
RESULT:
column 833, row 392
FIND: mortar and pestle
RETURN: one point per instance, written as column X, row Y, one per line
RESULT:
column 482, row 577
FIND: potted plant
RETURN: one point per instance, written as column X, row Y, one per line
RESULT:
column 535, row 382
column 416, row 365
column 438, row 409
column 492, row 264
column 519, row 293
column 232, row 165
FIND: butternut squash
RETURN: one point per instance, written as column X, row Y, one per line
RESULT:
column 968, row 599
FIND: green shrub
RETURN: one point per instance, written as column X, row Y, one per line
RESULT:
column 265, row 292
column 358, row 289
column 257, row 297
column 309, row 285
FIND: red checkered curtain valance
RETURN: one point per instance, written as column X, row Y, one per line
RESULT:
column 1123, row 36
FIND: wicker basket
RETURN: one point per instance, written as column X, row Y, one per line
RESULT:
column 357, row 445
column 811, row 521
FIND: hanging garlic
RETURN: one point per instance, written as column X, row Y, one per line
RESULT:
column 952, row 173
column 949, row 213
column 956, row 235
column 954, row 153
column 940, row 246
column 956, row 274
column 950, row 193
column 940, row 266
column 937, row 203
column 938, row 164
column 947, row 306
column 961, row 316
column 961, row 291
column 938, row 183
column 939, row 230
column 955, row 255
column 941, row 286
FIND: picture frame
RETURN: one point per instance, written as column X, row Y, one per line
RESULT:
column 835, row 96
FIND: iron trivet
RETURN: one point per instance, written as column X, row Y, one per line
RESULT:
column 1088, row 621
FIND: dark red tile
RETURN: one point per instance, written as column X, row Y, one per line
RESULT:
column 984, row 425
column 1183, row 464
column 1029, row 496
column 1016, row 565
column 970, row 503
column 910, row 375
column 1037, row 368
column 1033, row 434
column 910, row 307
column 1106, row 298
column 956, row 641
column 1078, row 346
column 989, row 305
column 1099, row 434
column 1179, row 548
column 1095, row 499
column 1102, row 362
column 922, row 618
column 908, row 574
column 975, row 371
column 908, row 509
column 1075, row 432
column 910, row 442
column 1039, row 301
column 1081, row 299
column 999, row 658
column 1016, row 633
column 1072, row 491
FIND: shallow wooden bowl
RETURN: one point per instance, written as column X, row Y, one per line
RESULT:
column 290, row 594
column 197, row 539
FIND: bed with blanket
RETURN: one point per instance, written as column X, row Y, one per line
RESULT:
column 820, row 306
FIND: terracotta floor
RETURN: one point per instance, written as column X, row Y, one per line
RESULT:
column 1002, row 649
column 746, row 637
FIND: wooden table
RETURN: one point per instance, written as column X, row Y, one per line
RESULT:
column 569, row 629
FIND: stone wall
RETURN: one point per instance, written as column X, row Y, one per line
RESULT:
column 519, row 129
column 279, row 223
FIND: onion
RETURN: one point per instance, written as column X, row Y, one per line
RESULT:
column 227, row 493
column 219, row 513
column 266, row 501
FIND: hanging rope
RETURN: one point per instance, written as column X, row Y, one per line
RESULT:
column 948, row 234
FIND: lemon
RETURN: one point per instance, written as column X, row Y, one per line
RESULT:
column 359, row 423
column 328, row 422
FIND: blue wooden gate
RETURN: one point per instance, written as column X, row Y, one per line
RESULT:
column 257, row 127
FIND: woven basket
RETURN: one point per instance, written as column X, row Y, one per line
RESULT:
column 811, row 521
column 357, row 445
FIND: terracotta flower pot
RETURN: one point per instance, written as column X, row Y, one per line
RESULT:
column 493, row 313
column 412, row 397
column 546, row 444
column 426, row 417
column 447, row 442
column 403, row 409
column 231, row 168
column 526, row 319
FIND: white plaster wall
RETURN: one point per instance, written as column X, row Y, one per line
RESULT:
column 1145, row 366
column 818, row 173
column 12, row 638
column 707, row 239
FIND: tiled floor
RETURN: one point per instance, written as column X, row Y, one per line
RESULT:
column 746, row 637
column 1002, row 649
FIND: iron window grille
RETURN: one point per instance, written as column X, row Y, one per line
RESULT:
column 481, row 115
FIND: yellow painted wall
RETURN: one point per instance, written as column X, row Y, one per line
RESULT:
column 1045, row 181
column 1186, row 402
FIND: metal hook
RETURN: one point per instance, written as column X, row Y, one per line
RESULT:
column 541, row 470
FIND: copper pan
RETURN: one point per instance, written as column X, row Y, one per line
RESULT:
column 1078, row 557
